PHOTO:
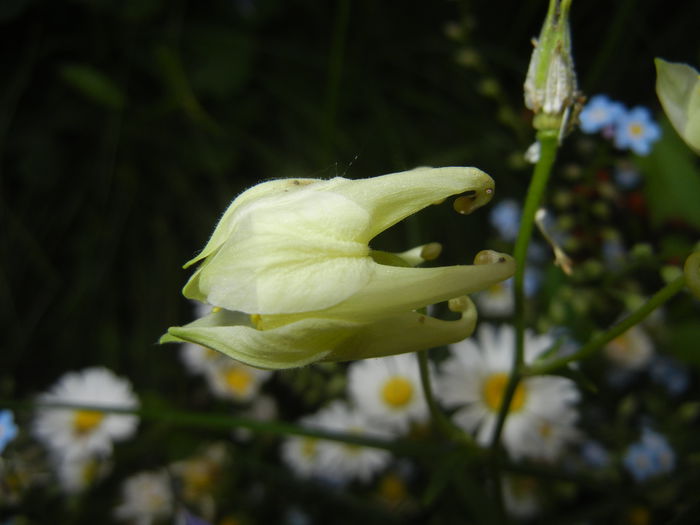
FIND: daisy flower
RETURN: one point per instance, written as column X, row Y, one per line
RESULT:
column 235, row 381
column 334, row 461
column 388, row 389
column 146, row 498
column 77, row 474
column 200, row 477
column 301, row 454
column 342, row 462
column 600, row 113
column 521, row 497
column 541, row 417
column 70, row 433
column 636, row 130
column 8, row 429
column 633, row 350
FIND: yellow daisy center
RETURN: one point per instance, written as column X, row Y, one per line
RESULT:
column 495, row 387
column 397, row 392
column 85, row 421
column 308, row 447
column 238, row 380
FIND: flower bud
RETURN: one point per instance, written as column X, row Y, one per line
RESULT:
column 550, row 86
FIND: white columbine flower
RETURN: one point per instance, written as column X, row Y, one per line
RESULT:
column 541, row 417
column 388, row 390
column 146, row 499
column 70, row 433
column 293, row 280
column 230, row 379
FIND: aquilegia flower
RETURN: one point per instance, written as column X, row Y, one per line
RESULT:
column 292, row 279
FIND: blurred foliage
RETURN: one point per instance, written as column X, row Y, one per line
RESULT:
column 127, row 126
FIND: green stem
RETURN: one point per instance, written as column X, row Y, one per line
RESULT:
column 549, row 142
column 440, row 420
column 548, row 149
column 196, row 419
column 620, row 328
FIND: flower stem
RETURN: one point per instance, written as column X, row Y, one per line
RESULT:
column 197, row 419
column 440, row 420
column 548, row 149
column 602, row 339
column 549, row 141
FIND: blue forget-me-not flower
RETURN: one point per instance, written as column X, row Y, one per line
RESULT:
column 649, row 457
column 601, row 112
column 636, row 130
column 8, row 429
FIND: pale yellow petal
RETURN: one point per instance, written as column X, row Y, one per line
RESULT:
column 403, row 333
column 391, row 198
column 226, row 223
column 288, row 346
column 291, row 252
column 678, row 88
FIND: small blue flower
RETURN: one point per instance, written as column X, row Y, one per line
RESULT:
column 670, row 374
column 594, row 454
column 636, row 130
column 505, row 217
column 649, row 457
column 627, row 176
column 600, row 113
column 640, row 462
column 8, row 429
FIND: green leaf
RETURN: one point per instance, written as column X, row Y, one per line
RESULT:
column 93, row 84
column 672, row 180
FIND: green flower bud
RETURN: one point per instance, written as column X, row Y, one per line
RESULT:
column 292, row 279
column 551, row 90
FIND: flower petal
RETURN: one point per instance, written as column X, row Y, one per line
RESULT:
column 293, row 345
column 678, row 88
column 290, row 252
column 394, row 289
column 391, row 198
column 403, row 333
column 227, row 223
